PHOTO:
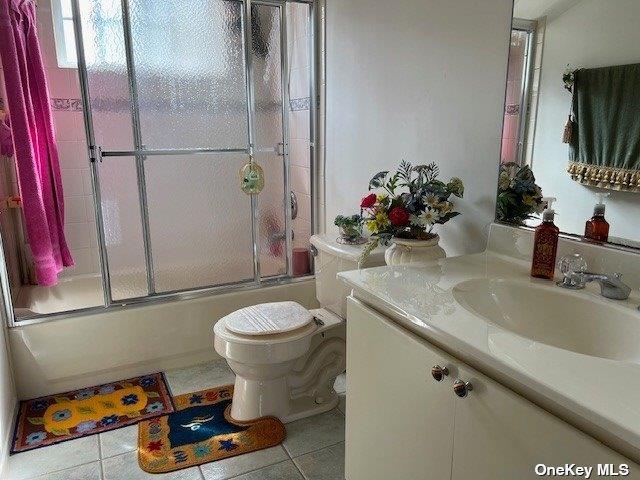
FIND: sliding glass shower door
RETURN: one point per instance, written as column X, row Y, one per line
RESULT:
column 180, row 95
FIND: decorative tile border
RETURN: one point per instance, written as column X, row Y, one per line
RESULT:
column 297, row 104
column 75, row 104
column 66, row 104
column 512, row 109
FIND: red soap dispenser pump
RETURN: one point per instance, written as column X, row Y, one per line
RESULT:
column 545, row 244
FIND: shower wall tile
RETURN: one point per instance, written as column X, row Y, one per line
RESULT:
column 86, row 181
column 74, row 211
column 299, row 119
column 299, row 152
column 64, row 123
column 300, row 125
column 300, row 179
column 302, row 233
column 299, row 82
column 304, row 207
column 72, row 181
column 78, row 235
column 89, row 208
column 300, row 54
column 73, row 154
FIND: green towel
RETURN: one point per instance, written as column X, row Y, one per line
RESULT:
column 605, row 145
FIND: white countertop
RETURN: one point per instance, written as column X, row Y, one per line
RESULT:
column 598, row 395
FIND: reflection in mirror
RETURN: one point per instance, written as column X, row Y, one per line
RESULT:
column 572, row 116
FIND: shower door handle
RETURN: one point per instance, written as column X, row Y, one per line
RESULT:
column 294, row 205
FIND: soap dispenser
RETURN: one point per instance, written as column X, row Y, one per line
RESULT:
column 597, row 228
column 545, row 244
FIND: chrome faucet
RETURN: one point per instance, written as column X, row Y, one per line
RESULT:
column 575, row 278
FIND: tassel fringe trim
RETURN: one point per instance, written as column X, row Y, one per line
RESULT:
column 605, row 177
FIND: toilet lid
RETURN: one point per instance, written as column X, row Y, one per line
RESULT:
column 268, row 318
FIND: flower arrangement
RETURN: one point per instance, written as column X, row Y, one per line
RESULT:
column 519, row 197
column 408, row 204
column 350, row 228
column 569, row 78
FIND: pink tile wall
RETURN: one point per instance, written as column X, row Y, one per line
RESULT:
column 74, row 163
column 299, row 120
column 511, row 124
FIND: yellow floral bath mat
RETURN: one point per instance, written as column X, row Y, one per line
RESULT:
column 56, row 418
column 201, row 431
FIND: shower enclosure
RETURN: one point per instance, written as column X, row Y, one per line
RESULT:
column 177, row 97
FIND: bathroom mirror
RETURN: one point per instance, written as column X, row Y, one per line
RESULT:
column 572, row 115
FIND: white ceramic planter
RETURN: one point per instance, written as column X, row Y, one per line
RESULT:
column 403, row 251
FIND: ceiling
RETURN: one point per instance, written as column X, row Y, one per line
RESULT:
column 532, row 9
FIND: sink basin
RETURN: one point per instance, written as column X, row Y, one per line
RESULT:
column 565, row 319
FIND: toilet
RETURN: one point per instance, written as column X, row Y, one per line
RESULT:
column 286, row 358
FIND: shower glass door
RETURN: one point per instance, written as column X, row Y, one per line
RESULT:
column 180, row 95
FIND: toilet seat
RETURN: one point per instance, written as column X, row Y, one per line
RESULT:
column 268, row 319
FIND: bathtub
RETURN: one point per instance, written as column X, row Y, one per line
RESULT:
column 88, row 349
column 85, row 291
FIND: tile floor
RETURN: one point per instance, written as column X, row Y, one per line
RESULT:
column 313, row 450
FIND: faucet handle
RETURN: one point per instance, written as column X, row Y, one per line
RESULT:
column 569, row 265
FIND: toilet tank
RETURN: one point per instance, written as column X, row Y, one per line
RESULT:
column 331, row 258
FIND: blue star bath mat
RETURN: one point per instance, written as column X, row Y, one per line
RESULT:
column 201, row 431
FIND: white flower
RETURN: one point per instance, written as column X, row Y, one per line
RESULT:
column 429, row 217
column 415, row 220
column 430, row 200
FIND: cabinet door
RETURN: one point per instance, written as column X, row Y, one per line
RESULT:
column 399, row 421
column 501, row 435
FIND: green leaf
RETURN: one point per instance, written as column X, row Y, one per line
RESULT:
column 108, row 404
column 85, row 410
column 59, row 432
column 377, row 181
column 135, row 414
column 152, row 394
column 36, row 420
column 62, row 399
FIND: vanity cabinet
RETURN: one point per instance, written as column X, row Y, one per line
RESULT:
column 403, row 424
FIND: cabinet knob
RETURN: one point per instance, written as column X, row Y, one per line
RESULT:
column 438, row 372
column 461, row 388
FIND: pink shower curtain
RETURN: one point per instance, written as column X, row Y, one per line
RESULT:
column 34, row 143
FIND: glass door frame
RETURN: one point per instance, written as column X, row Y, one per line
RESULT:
column 96, row 156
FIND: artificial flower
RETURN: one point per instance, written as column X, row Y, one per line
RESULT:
column 368, row 201
column 429, row 216
column 456, row 186
column 399, row 216
column 430, row 200
column 504, row 181
column 445, row 207
column 408, row 203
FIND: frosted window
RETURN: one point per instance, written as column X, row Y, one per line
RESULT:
column 62, row 17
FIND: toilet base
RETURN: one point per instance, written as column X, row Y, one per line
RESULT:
column 293, row 389
column 254, row 399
